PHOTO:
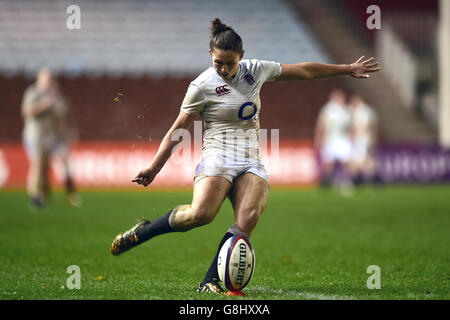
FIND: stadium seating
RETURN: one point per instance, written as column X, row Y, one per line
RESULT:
column 150, row 50
column 97, row 117
column 139, row 37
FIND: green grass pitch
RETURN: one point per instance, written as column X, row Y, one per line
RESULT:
column 308, row 245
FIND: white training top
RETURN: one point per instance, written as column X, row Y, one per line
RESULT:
column 363, row 118
column 50, row 123
column 230, row 109
column 336, row 121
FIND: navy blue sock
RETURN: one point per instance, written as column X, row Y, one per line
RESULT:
column 156, row 228
column 212, row 271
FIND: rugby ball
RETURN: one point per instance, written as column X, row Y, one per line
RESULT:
column 236, row 263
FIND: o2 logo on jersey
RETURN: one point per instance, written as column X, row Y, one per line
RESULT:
column 245, row 109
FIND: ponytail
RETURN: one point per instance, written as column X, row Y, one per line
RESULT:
column 224, row 37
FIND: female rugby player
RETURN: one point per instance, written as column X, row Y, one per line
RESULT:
column 227, row 97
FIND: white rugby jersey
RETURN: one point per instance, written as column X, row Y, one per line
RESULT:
column 336, row 120
column 363, row 117
column 49, row 123
column 230, row 109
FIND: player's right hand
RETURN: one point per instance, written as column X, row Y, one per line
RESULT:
column 145, row 177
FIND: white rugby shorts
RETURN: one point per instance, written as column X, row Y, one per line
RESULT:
column 37, row 146
column 220, row 166
column 360, row 151
column 336, row 150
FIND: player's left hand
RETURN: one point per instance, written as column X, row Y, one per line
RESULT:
column 360, row 68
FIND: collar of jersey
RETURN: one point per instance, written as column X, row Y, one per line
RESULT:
column 235, row 79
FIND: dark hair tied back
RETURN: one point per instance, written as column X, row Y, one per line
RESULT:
column 224, row 37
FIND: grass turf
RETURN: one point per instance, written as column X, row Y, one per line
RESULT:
column 308, row 245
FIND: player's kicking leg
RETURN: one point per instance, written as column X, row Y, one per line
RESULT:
column 249, row 198
column 209, row 194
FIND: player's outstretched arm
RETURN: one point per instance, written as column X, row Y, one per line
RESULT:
column 146, row 176
column 313, row 70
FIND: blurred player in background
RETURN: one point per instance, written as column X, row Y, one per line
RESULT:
column 46, row 133
column 363, row 130
column 227, row 97
column 333, row 142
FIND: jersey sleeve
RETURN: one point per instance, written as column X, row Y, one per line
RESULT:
column 271, row 69
column 194, row 101
column 28, row 101
column 373, row 116
column 322, row 114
